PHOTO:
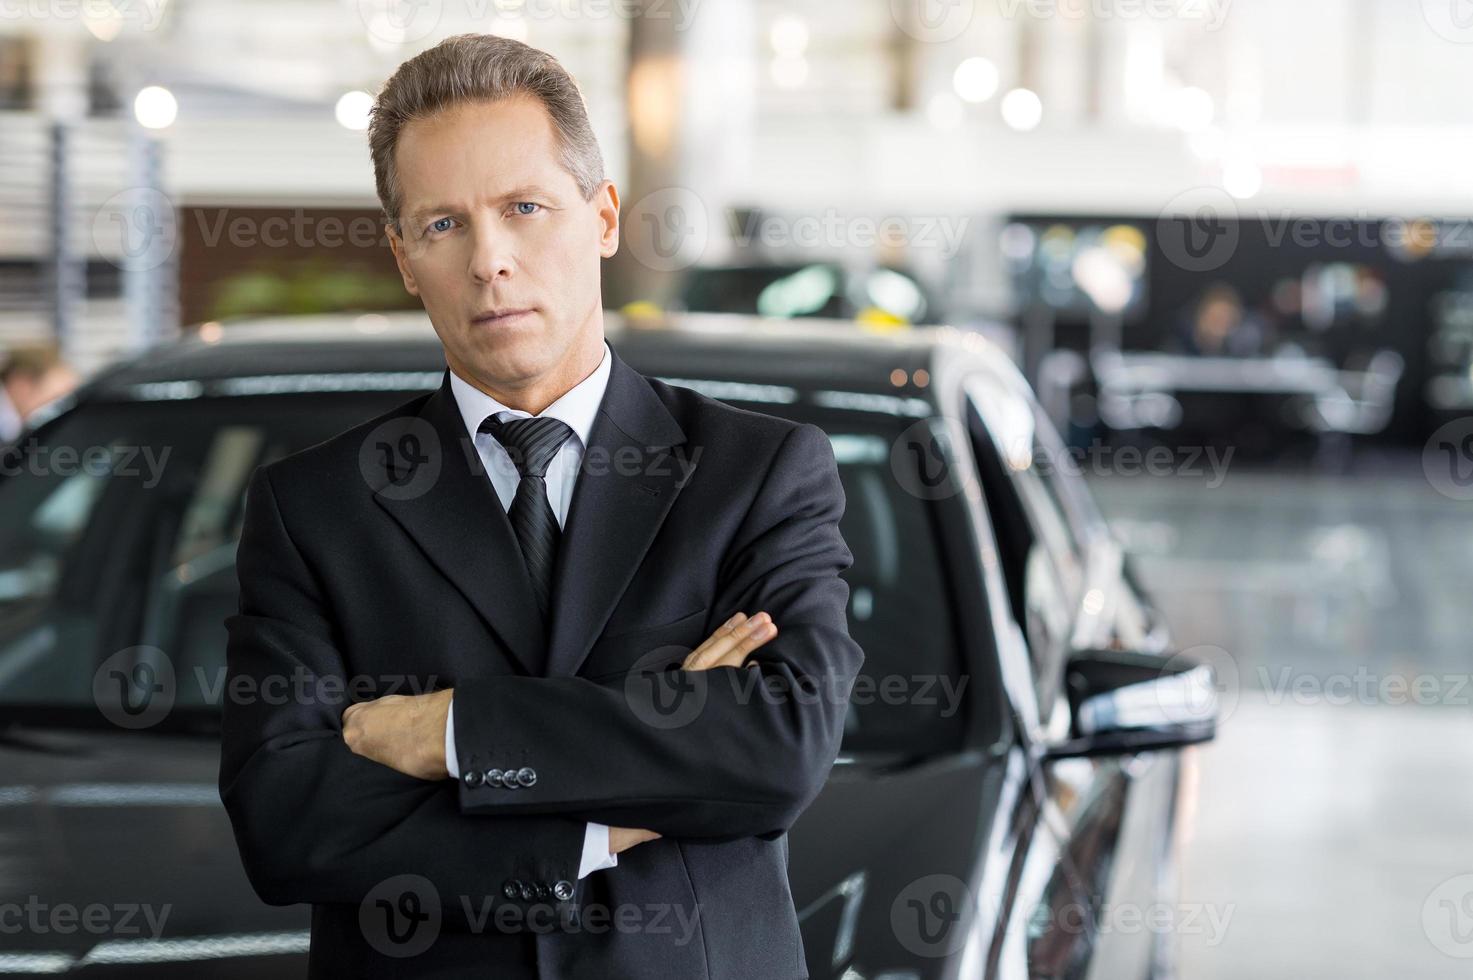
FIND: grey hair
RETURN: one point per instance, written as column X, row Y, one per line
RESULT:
column 475, row 68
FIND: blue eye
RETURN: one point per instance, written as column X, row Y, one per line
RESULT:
column 442, row 224
column 522, row 207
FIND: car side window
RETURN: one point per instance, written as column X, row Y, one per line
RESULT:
column 1041, row 560
column 910, row 695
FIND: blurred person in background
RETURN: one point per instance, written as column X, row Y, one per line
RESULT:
column 30, row 377
column 1220, row 326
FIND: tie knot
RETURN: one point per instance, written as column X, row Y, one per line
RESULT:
column 531, row 443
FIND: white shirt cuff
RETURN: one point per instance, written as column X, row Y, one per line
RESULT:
column 596, row 854
column 451, row 762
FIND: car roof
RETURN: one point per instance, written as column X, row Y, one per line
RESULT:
column 400, row 350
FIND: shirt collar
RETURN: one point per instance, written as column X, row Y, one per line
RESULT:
column 577, row 407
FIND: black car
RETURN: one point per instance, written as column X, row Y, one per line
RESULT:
column 1009, row 779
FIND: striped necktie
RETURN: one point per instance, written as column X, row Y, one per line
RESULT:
column 531, row 443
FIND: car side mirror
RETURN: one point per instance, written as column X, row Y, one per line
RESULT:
column 1124, row 702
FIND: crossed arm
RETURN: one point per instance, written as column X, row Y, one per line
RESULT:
column 403, row 731
column 316, row 821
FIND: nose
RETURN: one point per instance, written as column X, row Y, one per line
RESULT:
column 492, row 255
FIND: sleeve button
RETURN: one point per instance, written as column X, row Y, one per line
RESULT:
column 493, row 777
column 472, row 778
column 512, row 888
column 527, row 776
column 563, row 890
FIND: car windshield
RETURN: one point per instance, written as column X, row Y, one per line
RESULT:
column 119, row 523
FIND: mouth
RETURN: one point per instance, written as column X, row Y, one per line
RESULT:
column 496, row 318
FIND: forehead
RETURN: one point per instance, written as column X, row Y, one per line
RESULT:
column 478, row 149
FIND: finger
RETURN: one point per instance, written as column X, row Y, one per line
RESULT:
column 729, row 653
column 739, row 652
column 714, row 643
column 724, row 643
column 723, row 630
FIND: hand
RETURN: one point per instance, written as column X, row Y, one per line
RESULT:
column 623, row 838
column 732, row 642
column 727, row 647
column 403, row 732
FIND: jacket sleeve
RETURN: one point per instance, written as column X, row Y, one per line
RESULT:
column 724, row 753
column 315, row 822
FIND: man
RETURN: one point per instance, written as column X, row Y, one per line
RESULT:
column 30, row 377
column 1219, row 326
column 612, row 606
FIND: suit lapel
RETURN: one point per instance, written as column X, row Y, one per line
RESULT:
column 628, row 481
column 434, row 485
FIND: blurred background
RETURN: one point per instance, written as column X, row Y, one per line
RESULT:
column 1228, row 242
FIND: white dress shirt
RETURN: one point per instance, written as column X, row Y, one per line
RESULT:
column 577, row 408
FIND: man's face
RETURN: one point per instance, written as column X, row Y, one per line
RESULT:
column 499, row 244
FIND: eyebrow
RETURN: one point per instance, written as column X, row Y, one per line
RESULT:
column 516, row 193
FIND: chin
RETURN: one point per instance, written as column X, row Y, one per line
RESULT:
column 512, row 361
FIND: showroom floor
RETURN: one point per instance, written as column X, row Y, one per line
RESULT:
column 1334, row 819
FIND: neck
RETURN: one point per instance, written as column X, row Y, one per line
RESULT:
column 535, row 394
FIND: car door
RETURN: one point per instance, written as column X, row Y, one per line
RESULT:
column 1093, row 877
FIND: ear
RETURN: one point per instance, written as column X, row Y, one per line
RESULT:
column 401, row 257
column 606, row 202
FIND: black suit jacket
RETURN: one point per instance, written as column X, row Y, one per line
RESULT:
column 381, row 562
